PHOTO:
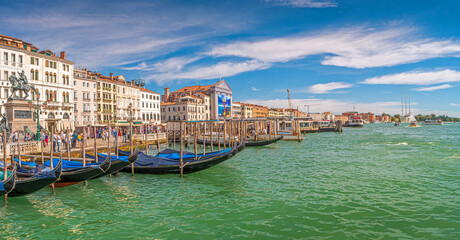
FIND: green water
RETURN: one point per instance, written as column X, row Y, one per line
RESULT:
column 377, row 182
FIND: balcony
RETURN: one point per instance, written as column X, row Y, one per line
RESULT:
column 67, row 105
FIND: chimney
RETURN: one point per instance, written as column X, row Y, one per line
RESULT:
column 111, row 76
column 63, row 54
column 166, row 96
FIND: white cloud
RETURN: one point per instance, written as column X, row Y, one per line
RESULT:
column 352, row 47
column 304, row 3
column 255, row 89
column 174, row 64
column 221, row 69
column 455, row 104
column 417, row 78
column 100, row 34
column 328, row 87
column 429, row 89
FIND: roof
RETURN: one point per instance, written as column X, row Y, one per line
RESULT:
column 195, row 88
column 188, row 95
column 148, row 90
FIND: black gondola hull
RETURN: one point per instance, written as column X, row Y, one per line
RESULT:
column 9, row 183
column 33, row 184
column 117, row 165
column 191, row 167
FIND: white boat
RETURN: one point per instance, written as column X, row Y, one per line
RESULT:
column 354, row 120
column 433, row 122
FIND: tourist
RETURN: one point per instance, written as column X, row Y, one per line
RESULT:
column 45, row 136
column 63, row 138
column 74, row 139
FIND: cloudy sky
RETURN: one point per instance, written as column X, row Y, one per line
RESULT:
column 331, row 54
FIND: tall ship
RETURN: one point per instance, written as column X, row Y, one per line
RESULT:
column 406, row 116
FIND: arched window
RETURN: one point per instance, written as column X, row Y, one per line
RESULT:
column 50, row 115
column 55, row 96
column 63, row 79
column 63, row 97
column 47, row 76
column 65, row 116
column 67, row 97
column 36, row 75
column 54, row 77
column 47, row 95
column 31, row 74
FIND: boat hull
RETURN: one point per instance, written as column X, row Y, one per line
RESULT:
column 9, row 183
column 190, row 167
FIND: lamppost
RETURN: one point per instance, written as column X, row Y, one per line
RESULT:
column 36, row 107
column 130, row 107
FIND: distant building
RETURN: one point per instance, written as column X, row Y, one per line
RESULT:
column 219, row 93
column 342, row 118
column 187, row 107
column 237, row 110
column 246, row 110
column 328, row 116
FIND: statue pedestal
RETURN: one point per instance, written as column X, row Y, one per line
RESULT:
column 19, row 115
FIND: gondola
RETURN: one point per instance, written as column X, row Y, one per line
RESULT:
column 174, row 154
column 7, row 185
column 161, row 165
column 116, row 163
column 38, row 181
column 74, row 172
column 248, row 143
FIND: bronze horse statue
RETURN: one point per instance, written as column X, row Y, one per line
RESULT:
column 20, row 84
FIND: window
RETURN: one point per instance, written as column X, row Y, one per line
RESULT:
column 13, row 58
column 20, row 58
column 94, row 85
column 36, row 74
column 47, row 63
column 75, row 83
column 5, row 58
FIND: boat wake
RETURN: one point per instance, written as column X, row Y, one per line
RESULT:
column 397, row 144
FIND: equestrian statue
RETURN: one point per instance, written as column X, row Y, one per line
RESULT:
column 20, row 84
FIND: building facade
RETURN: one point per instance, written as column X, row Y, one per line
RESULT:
column 219, row 93
column 188, row 108
column 51, row 75
column 85, row 98
column 237, row 110
column 150, row 106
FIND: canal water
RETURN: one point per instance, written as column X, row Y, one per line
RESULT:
column 375, row 182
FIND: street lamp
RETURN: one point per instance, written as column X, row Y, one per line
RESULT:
column 36, row 111
column 130, row 107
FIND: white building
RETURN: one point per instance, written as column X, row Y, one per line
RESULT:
column 85, row 98
column 51, row 75
column 150, row 106
column 188, row 107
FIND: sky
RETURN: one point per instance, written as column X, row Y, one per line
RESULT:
column 332, row 55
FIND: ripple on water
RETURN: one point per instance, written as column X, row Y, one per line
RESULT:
column 376, row 182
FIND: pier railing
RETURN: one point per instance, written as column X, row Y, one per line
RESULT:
column 24, row 147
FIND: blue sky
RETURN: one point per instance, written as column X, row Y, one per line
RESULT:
column 331, row 54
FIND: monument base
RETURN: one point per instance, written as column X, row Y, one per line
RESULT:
column 20, row 115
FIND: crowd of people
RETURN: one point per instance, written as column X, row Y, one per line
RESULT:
column 63, row 140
